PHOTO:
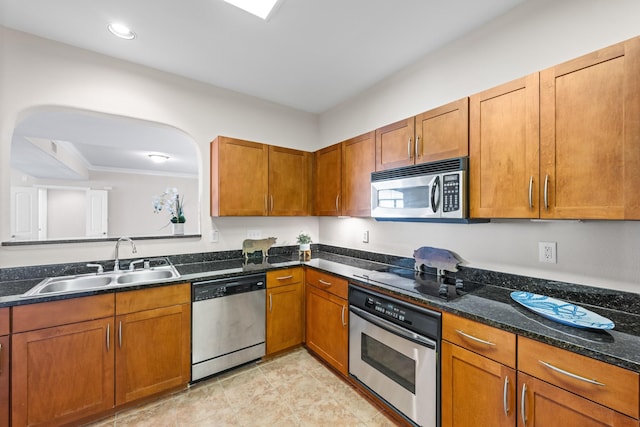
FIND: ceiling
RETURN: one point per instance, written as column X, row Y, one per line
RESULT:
column 310, row 55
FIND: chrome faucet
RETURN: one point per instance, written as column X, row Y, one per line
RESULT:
column 116, row 264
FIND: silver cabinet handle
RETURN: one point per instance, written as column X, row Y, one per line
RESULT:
column 531, row 192
column 344, row 323
column 324, row 283
column 409, row 148
column 505, row 403
column 337, row 203
column 0, row 359
column 120, row 334
column 571, row 375
column 270, row 303
column 546, row 192
column 285, row 277
column 471, row 337
column 271, row 203
column 417, row 147
column 523, row 401
column 108, row 336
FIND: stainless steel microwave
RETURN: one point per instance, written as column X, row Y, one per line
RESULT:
column 436, row 191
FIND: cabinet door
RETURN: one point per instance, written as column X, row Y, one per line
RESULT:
column 395, row 146
column 288, row 182
column 153, row 352
column 443, row 133
column 503, row 150
column 328, row 182
column 544, row 405
column 590, row 134
column 239, row 177
column 358, row 161
column 327, row 327
column 476, row 391
column 284, row 317
column 4, row 381
column 62, row 374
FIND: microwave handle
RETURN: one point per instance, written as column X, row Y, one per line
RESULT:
column 435, row 194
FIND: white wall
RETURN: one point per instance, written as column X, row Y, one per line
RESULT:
column 532, row 37
column 35, row 72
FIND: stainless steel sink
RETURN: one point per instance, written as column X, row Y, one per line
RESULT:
column 146, row 276
column 113, row 279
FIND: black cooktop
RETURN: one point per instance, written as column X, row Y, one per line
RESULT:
column 423, row 283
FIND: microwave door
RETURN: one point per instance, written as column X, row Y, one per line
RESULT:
column 411, row 197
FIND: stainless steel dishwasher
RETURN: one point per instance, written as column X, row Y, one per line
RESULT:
column 228, row 327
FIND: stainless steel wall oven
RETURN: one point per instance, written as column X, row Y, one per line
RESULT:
column 393, row 352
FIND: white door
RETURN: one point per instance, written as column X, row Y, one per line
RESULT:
column 97, row 213
column 24, row 213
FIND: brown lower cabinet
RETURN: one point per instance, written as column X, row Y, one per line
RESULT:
column 327, row 318
column 285, row 309
column 4, row 367
column 72, row 360
column 476, row 391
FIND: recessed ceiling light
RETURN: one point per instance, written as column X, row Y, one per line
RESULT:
column 121, row 30
column 260, row 8
column 158, row 158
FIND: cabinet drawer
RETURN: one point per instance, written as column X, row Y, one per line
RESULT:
column 618, row 388
column 147, row 299
column 4, row 321
column 63, row 312
column 486, row 340
column 327, row 282
column 286, row 276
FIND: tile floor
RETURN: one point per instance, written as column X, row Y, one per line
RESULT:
column 291, row 390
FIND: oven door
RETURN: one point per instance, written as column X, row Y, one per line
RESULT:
column 411, row 197
column 396, row 364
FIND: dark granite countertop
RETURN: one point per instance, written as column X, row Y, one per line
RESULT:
column 489, row 304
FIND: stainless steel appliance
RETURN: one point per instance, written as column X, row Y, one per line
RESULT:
column 228, row 327
column 435, row 191
column 393, row 351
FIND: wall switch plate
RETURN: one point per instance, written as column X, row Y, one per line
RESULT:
column 254, row 234
column 215, row 236
column 547, row 252
column 365, row 236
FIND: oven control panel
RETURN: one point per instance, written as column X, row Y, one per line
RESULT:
column 387, row 309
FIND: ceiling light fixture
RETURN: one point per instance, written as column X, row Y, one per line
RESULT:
column 260, row 8
column 121, row 30
column 158, row 158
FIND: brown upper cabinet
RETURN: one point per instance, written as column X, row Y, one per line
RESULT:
column 590, row 135
column 503, row 150
column 343, row 176
column 254, row 179
column 562, row 143
column 437, row 134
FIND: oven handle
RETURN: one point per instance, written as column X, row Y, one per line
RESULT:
column 393, row 328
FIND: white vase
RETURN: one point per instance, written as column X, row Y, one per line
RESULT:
column 305, row 246
column 178, row 228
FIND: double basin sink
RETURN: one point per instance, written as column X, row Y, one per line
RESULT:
column 97, row 281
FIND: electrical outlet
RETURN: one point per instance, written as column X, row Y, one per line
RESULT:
column 365, row 236
column 215, row 236
column 547, row 252
column 254, row 234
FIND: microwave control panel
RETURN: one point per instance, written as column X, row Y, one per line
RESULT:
column 451, row 192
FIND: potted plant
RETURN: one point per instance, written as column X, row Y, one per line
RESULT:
column 304, row 240
column 173, row 203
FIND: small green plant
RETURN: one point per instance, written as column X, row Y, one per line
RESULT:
column 303, row 238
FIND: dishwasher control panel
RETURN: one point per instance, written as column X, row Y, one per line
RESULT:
column 226, row 287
